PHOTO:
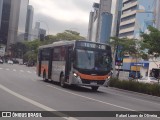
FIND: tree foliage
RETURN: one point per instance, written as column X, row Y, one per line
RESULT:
column 18, row 49
column 150, row 42
column 69, row 35
column 28, row 50
column 128, row 45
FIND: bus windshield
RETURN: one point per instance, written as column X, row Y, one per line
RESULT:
column 93, row 60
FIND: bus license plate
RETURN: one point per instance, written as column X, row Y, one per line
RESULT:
column 93, row 83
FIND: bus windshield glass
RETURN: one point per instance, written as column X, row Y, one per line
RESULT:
column 93, row 60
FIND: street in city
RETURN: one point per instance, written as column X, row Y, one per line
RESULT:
column 22, row 90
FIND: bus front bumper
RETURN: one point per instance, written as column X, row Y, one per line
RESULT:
column 76, row 80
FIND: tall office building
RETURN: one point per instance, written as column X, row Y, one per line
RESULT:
column 29, row 22
column 104, row 21
column 4, row 18
column 13, row 21
column 116, row 17
column 35, row 31
column 157, row 14
column 136, row 16
column 90, row 26
column 100, row 21
column 42, row 34
column 93, row 21
column 1, row 6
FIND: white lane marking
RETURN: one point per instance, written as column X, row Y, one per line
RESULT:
column 14, row 70
column 29, row 71
column 92, row 99
column 7, row 69
column 132, row 97
column 35, row 103
column 33, row 80
column 21, row 71
column 1, row 68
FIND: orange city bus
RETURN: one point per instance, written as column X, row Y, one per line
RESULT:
column 82, row 63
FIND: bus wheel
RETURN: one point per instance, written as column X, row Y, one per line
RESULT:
column 95, row 88
column 62, row 81
column 44, row 76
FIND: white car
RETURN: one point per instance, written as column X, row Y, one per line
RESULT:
column 150, row 80
column 1, row 61
column 10, row 62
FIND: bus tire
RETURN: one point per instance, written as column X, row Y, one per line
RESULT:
column 62, row 81
column 44, row 76
column 95, row 88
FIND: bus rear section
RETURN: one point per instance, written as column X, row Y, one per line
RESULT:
column 43, row 63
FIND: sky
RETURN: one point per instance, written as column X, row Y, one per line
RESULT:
column 59, row 15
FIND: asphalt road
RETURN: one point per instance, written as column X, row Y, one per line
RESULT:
column 22, row 90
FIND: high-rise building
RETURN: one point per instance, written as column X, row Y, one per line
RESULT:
column 1, row 6
column 38, row 32
column 29, row 22
column 93, row 21
column 157, row 14
column 42, row 34
column 90, row 26
column 13, row 21
column 4, row 18
column 100, row 21
column 35, row 31
column 116, row 17
column 136, row 16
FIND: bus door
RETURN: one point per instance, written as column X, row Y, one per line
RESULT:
column 50, row 64
column 39, row 62
column 68, row 61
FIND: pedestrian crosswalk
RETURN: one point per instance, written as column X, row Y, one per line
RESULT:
column 17, row 70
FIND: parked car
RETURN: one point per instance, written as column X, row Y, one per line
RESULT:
column 10, row 62
column 150, row 80
column 15, row 61
column 21, row 63
column 1, row 61
column 30, row 64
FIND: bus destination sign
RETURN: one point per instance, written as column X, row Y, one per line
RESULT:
column 91, row 45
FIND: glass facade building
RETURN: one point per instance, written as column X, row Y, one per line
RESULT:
column 12, row 20
column 5, row 17
column 136, row 16
column 100, row 22
column 29, row 21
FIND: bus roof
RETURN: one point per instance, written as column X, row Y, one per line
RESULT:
column 65, row 42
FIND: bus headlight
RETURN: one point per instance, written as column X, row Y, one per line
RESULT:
column 75, row 75
column 109, row 77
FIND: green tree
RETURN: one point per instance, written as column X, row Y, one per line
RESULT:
column 128, row 47
column 18, row 49
column 69, row 35
column 32, row 50
column 66, row 35
column 150, row 42
column 30, row 56
column 29, row 49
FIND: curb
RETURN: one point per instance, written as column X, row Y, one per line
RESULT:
column 134, row 92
